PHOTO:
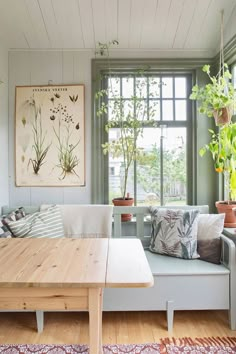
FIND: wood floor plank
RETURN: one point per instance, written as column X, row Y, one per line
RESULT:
column 118, row 327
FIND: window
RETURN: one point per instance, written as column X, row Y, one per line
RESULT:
column 163, row 176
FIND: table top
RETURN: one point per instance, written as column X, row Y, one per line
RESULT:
column 66, row 262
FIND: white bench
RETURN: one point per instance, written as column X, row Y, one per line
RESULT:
column 179, row 284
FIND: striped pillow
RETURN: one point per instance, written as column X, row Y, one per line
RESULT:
column 47, row 223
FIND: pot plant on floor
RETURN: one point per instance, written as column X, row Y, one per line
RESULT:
column 217, row 98
column 222, row 146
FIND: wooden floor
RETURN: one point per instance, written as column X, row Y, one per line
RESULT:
column 118, row 327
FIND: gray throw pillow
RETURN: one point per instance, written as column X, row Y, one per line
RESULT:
column 174, row 232
column 47, row 223
column 210, row 250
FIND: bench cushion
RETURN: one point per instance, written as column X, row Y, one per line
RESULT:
column 166, row 265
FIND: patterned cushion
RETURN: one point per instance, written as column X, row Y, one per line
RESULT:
column 47, row 223
column 4, row 232
column 174, row 232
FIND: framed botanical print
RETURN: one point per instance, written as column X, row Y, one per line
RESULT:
column 49, row 135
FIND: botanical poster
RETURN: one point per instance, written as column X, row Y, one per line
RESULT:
column 49, row 135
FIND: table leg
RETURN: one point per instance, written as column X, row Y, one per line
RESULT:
column 95, row 320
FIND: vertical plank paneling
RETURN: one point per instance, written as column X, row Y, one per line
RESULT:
column 99, row 20
column 162, row 15
column 124, row 11
column 136, row 23
column 37, row 22
column 50, row 21
column 86, row 16
column 19, row 74
column 46, row 66
column 148, row 29
column 172, row 23
column 4, row 191
column 196, row 24
column 184, row 24
column 68, row 19
column 82, row 75
column 11, row 33
column 111, row 7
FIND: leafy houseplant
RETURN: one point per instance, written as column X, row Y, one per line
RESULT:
column 223, row 149
column 127, row 116
column 217, row 98
column 129, row 119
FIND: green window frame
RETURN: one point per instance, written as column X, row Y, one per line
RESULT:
column 100, row 166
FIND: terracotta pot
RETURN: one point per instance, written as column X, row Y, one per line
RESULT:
column 230, row 215
column 225, row 117
column 124, row 202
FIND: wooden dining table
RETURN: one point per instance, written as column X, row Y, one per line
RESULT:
column 69, row 274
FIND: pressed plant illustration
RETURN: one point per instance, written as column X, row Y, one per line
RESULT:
column 40, row 147
column 64, row 127
column 49, row 135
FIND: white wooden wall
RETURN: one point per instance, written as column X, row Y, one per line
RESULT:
column 37, row 68
column 4, row 195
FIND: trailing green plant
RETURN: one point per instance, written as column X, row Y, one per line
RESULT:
column 219, row 93
column 222, row 146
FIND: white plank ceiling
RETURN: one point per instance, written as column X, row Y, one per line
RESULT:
column 156, row 25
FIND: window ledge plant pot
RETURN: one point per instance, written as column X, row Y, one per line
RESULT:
column 227, row 209
column 124, row 202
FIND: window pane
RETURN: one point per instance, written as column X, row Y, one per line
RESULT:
column 141, row 87
column 180, row 87
column 127, row 87
column 154, row 110
column 113, row 87
column 180, row 110
column 167, row 110
column 148, row 168
column 154, row 87
column 167, row 87
column 175, row 166
column 116, row 172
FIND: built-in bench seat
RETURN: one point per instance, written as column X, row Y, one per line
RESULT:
column 179, row 284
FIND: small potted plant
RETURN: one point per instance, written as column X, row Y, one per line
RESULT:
column 217, row 98
column 223, row 149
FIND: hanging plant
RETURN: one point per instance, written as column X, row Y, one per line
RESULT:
column 217, row 98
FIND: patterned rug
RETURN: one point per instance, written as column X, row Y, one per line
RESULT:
column 211, row 345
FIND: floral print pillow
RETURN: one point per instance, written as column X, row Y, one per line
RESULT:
column 174, row 232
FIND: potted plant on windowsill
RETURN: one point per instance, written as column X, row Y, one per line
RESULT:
column 217, row 98
column 129, row 121
column 223, row 149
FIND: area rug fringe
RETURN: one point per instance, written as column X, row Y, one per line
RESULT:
column 221, row 341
